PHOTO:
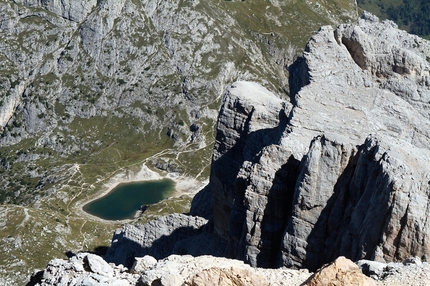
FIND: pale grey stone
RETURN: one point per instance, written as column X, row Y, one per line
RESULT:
column 156, row 238
column 98, row 265
column 343, row 171
column 373, row 269
column 142, row 264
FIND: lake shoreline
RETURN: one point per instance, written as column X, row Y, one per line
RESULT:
column 183, row 186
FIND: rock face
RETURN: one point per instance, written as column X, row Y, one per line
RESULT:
column 343, row 168
column 250, row 124
column 157, row 238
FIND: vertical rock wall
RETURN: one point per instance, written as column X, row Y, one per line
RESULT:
column 343, row 168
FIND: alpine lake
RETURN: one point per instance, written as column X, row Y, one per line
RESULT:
column 127, row 198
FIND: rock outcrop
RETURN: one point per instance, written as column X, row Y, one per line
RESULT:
column 174, row 270
column 341, row 272
column 343, row 168
column 158, row 238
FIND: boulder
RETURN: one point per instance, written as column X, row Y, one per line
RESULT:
column 372, row 269
column 142, row 264
column 342, row 272
column 98, row 265
column 226, row 276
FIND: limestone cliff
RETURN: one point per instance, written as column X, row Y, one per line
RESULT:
column 343, row 168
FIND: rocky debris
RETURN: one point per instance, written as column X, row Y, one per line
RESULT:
column 174, row 270
column 411, row 270
column 83, row 269
column 157, row 238
column 209, row 270
column 341, row 170
column 340, row 272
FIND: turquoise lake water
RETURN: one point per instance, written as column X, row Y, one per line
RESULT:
column 125, row 199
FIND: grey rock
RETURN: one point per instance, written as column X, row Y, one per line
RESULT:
column 397, row 60
column 142, row 264
column 156, row 238
column 412, row 260
column 83, row 269
column 73, row 10
column 372, row 269
column 340, row 172
column 401, row 273
column 98, row 265
column 345, row 184
column 246, row 108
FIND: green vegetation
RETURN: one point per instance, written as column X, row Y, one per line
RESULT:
column 411, row 15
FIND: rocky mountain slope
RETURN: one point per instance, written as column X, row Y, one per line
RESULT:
column 82, row 78
column 341, row 169
column 96, row 92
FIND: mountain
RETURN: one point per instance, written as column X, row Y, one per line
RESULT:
column 339, row 169
column 98, row 92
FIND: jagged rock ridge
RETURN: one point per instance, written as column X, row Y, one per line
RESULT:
column 350, row 154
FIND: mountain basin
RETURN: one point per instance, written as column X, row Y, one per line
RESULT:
column 126, row 198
